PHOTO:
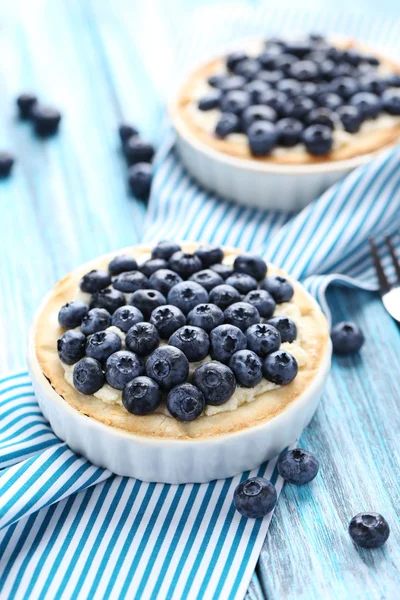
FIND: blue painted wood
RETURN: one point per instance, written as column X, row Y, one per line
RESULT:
column 67, row 202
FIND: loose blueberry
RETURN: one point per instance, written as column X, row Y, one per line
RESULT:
column 284, row 62
column 372, row 83
column 235, row 102
column 251, row 264
column 280, row 367
column 224, row 295
column 137, row 150
column 229, row 84
column 121, row 367
column 207, row 278
column 193, row 341
column 210, row 101
column 185, row 402
column 25, row 103
column 167, row 366
column 71, row 346
column 304, row 70
column 298, row 466
column 289, row 132
column 46, row 120
column 255, row 88
column 347, row 338
column 165, row 249
column 275, row 99
column 130, row 282
column 207, row 316
column 255, row 498
column 369, row 530
column 109, row 299
column 299, row 48
column 139, row 180
column 164, row 280
column 141, row 396
column 88, row 376
column 257, row 112
column 263, row 301
column 269, row 77
column 216, row 381
column 125, row 317
column 187, row 295
column 290, row 87
column 393, row 81
column 391, row 102
column 225, row 341
column 6, row 164
column 234, row 58
column 102, row 344
column 344, row 86
column 350, row 117
column 262, row 136
column 94, row 281
column 228, row 123
column 147, row 300
column 242, row 315
column 247, row 367
column 126, row 131
column 263, row 339
column 368, row 104
column 330, row 100
column 298, row 107
column 322, row 116
column 224, row 270
column 248, row 68
column 185, row 264
column 151, row 266
column 72, row 313
column 97, row 319
column 318, row 139
column 167, row 319
column 286, row 328
column 209, row 255
column 279, row 287
column 142, row 339
column 122, row 264
column 243, row 282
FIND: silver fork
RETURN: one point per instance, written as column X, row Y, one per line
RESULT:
column 390, row 292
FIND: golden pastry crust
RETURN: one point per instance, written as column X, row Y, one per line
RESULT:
column 263, row 408
column 364, row 143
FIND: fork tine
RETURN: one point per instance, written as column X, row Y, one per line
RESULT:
column 384, row 284
column 396, row 262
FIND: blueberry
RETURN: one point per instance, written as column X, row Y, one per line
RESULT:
column 71, row 346
column 243, row 282
column 225, row 341
column 304, row 70
column 391, row 102
column 350, row 117
column 151, row 266
column 216, row 80
column 235, row 102
column 97, row 319
column 130, row 282
column 280, row 367
column 252, row 264
column 139, row 180
column 262, row 136
column 242, row 315
column 298, row 466
column 25, row 103
column 88, row 376
column 372, row 60
column 257, row 112
column 46, row 120
column 279, row 287
column 125, row 317
column 321, row 116
column 224, row 295
column 141, row 396
column 210, row 101
column 263, row 339
column 216, row 381
column 102, row 344
column 137, row 150
column 290, row 87
column 327, row 69
column 372, row 83
column 122, row 367
column 147, row 300
column 209, row 255
column 318, row 139
column 248, row 68
column 275, row 99
column 228, row 123
column 185, row 264
column 344, row 86
column 121, row 264
column 193, row 341
column 167, row 366
column 126, row 131
column 255, row 497
column 94, row 281
column 187, row 295
column 368, row 104
column 263, row 301
column 369, row 530
column 142, row 339
column 284, row 62
column 229, row 84
column 330, row 100
column 298, row 107
column 109, row 299
column 72, row 313
column 234, row 58
column 393, row 80
column 247, row 367
column 207, row 316
column 165, row 249
column 6, row 164
column 255, row 88
column 347, row 338
column 207, row 278
column 163, row 280
column 298, row 48
column 352, row 57
column 269, row 77
column 289, row 132
column 224, row 270
column 286, row 328
column 185, row 402
column 167, row 319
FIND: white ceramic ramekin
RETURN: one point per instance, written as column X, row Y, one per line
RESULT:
column 174, row 461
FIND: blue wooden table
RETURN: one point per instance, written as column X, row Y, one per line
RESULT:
column 67, row 202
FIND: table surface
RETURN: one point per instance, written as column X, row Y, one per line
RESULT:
column 67, row 202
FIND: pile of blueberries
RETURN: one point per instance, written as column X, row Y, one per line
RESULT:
column 196, row 304
column 139, row 155
column 297, row 92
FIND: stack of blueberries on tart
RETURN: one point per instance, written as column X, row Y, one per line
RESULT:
column 184, row 329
